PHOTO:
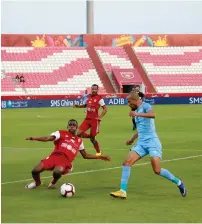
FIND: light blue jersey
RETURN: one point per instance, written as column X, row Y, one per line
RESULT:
column 85, row 97
column 148, row 141
column 145, row 126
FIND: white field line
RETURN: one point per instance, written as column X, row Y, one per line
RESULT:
column 111, row 149
column 105, row 169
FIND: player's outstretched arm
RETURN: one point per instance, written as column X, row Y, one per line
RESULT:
column 104, row 111
column 79, row 106
column 130, row 141
column 41, row 139
column 85, row 155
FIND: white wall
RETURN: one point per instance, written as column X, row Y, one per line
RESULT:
column 110, row 17
column 39, row 17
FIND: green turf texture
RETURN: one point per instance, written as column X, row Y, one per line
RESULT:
column 150, row 197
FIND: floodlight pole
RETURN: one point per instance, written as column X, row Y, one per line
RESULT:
column 89, row 17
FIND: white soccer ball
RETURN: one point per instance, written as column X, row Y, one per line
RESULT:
column 67, row 190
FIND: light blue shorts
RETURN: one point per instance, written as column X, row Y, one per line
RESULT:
column 151, row 146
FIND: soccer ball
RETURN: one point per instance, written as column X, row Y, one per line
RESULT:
column 67, row 190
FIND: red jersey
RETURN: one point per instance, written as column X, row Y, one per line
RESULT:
column 93, row 105
column 67, row 144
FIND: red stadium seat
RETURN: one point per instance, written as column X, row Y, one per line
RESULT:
column 113, row 58
column 172, row 69
column 48, row 70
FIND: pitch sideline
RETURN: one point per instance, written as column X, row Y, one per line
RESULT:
column 105, row 169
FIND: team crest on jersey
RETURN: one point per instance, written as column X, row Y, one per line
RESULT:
column 95, row 101
column 127, row 75
column 90, row 101
column 79, row 140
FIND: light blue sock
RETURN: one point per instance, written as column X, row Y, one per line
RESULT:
column 125, row 177
column 166, row 174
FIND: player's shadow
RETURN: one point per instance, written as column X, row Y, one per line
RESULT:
column 107, row 188
column 99, row 188
column 151, row 195
column 72, row 198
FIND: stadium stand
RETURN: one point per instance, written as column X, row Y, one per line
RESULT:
column 113, row 58
column 61, row 70
column 172, row 69
column 47, row 70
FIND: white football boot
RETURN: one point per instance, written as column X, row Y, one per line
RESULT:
column 51, row 186
column 31, row 186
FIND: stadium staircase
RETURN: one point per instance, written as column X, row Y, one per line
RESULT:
column 100, row 69
column 113, row 58
column 136, row 63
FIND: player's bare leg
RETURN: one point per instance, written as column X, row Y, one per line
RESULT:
column 57, row 173
column 95, row 145
column 36, row 176
column 130, row 159
column 155, row 162
column 83, row 134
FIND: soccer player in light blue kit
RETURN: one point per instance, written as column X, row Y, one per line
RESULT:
column 147, row 143
column 85, row 97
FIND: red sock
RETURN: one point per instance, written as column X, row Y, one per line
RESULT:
column 37, row 179
column 97, row 147
column 85, row 135
column 53, row 181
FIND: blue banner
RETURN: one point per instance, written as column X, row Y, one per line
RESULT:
column 108, row 101
column 174, row 100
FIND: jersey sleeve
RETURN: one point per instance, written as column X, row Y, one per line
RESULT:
column 56, row 134
column 101, row 102
column 147, row 107
column 81, row 147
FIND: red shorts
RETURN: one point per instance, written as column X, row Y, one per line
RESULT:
column 92, row 124
column 57, row 160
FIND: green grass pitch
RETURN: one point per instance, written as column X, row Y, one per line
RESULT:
column 150, row 198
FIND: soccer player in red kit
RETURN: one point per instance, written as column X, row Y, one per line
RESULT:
column 67, row 145
column 92, row 120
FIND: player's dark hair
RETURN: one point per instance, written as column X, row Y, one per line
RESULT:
column 137, row 86
column 73, row 121
column 95, row 85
